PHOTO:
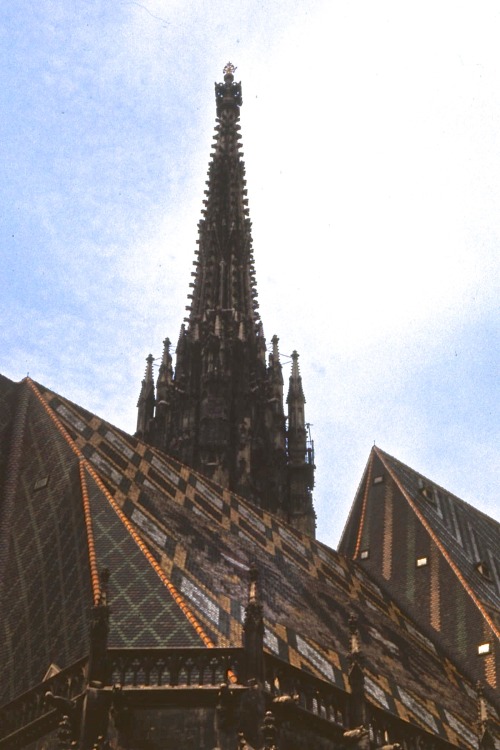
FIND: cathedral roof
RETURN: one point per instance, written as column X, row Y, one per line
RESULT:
column 60, row 528
column 80, row 495
column 397, row 509
column 436, row 556
column 469, row 539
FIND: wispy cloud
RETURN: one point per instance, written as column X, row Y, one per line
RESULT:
column 371, row 144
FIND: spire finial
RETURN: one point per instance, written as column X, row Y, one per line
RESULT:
column 274, row 359
column 275, row 341
column 295, row 389
column 229, row 69
column 228, row 94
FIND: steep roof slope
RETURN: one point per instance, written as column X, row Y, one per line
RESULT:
column 188, row 544
column 58, row 530
column 470, row 539
column 178, row 548
column 436, row 555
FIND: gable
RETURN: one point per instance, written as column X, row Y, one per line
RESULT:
column 179, row 548
column 423, row 545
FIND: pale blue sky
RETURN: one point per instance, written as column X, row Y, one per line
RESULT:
column 371, row 134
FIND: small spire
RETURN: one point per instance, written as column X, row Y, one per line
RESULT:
column 148, row 377
column 276, row 370
column 274, row 357
column 295, row 390
column 146, row 402
column 165, row 373
column 357, row 707
column 485, row 739
column 253, row 629
column 261, row 343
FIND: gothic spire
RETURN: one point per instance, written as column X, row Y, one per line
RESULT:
column 165, row 374
column 146, row 402
column 297, row 435
column 225, row 278
column 221, row 410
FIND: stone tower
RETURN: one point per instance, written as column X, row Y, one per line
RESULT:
column 221, row 410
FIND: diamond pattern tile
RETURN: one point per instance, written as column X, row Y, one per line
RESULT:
column 204, row 540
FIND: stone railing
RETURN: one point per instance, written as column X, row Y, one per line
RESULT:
column 387, row 729
column 30, row 717
column 310, row 693
column 31, row 708
column 172, row 667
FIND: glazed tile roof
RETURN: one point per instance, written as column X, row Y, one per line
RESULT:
column 437, row 556
column 51, row 556
column 468, row 538
column 169, row 535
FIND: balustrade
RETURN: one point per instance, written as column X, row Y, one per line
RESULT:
column 27, row 708
column 173, row 667
column 310, row 693
column 29, row 714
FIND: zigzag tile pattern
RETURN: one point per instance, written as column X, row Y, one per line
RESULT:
column 143, row 613
column 204, row 538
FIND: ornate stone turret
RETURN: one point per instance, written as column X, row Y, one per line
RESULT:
column 221, row 412
column 253, row 631
column 300, row 455
column 146, row 402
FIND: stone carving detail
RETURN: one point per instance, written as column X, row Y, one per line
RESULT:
column 221, row 410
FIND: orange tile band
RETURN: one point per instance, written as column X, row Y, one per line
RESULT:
column 441, row 548
column 135, row 536
column 137, row 539
column 94, row 573
column 363, row 509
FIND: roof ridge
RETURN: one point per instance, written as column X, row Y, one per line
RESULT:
column 179, row 600
column 167, row 458
column 367, row 479
column 437, row 541
column 12, row 468
column 94, row 573
column 447, row 492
